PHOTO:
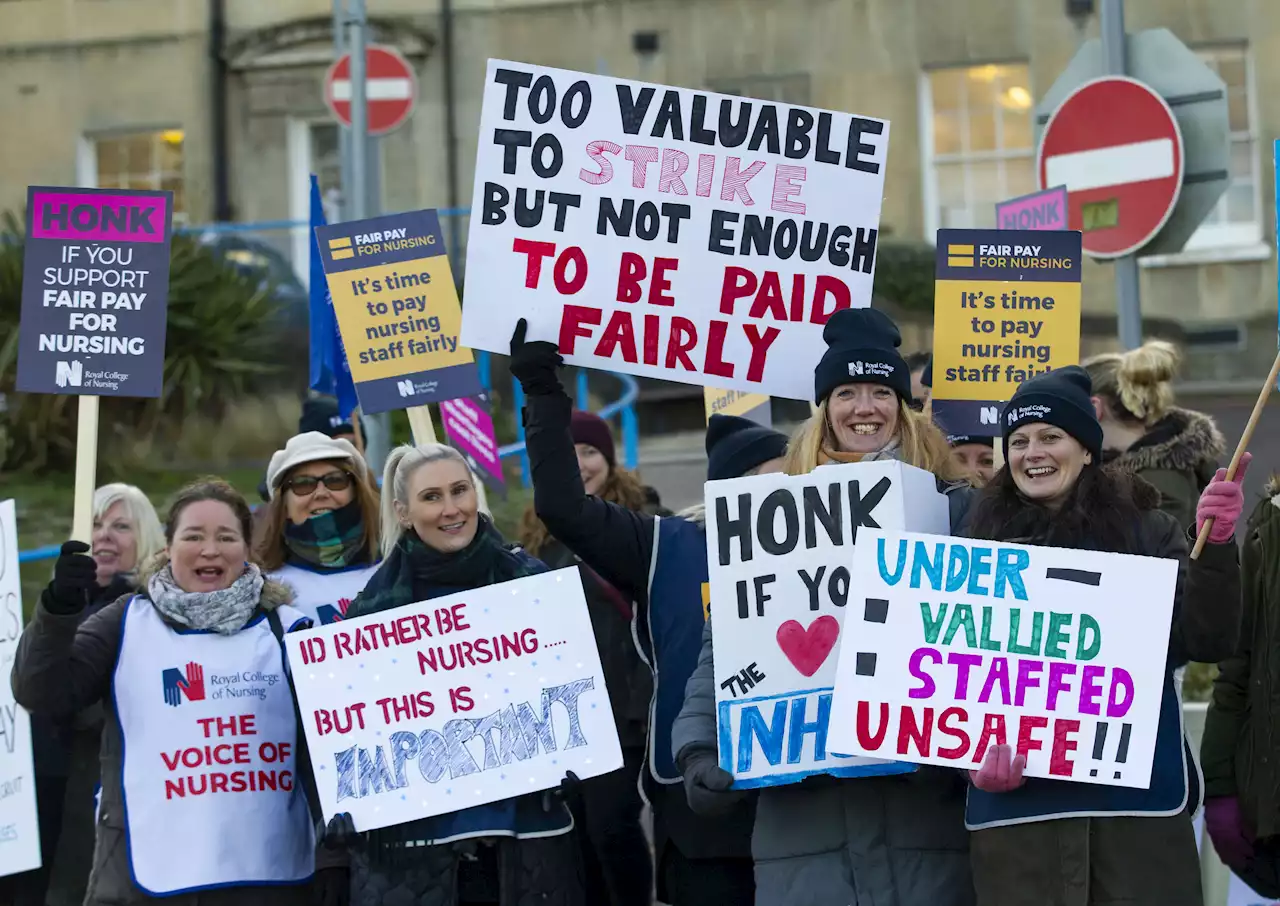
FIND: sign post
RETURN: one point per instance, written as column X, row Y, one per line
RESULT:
column 95, row 283
column 390, row 87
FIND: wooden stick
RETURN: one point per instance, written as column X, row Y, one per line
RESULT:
column 1241, row 447
column 86, row 469
column 358, row 431
column 424, row 432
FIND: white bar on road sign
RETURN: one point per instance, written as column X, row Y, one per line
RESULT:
column 376, row 89
column 1114, row 166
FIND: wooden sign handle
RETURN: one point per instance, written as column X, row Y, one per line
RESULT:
column 424, row 432
column 86, row 469
column 1241, row 447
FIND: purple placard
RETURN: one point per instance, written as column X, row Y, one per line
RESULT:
column 469, row 427
column 95, row 290
column 1046, row 210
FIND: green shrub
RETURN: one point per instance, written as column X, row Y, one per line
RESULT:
column 223, row 338
column 905, row 274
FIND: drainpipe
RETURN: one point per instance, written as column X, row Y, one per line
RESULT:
column 450, row 130
column 218, row 144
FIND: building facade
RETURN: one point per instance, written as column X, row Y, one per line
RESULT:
column 221, row 101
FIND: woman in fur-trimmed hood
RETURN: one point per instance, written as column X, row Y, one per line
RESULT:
column 1176, row 450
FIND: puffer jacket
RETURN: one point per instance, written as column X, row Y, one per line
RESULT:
column 42, row 682
column 1177, row 456
column 898, row 840
column 1240, row 752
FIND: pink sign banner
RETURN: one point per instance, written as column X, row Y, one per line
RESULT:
column 469, row 427
column 1046, row 210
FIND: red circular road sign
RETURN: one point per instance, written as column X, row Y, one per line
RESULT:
column 1116, row 146
column 390, row 85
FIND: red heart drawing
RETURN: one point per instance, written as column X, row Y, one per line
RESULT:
column 807, row 649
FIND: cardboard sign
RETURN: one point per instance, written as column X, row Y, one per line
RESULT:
column 454, row 702
column 19, row 829
column 755, row 406
column 666, row 232
column 95, row 285
column 1006, row 308
column 397, row 308
column 962, row 644
column 1045, row 210
column 779, row 549
column 469, row 427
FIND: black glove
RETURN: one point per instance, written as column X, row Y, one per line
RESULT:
column 74, row 576
column 331, row 887
column 707, row 786
column 569, row 788
column 340, row 832
column 534, row 364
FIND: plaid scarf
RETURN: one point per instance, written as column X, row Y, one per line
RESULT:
column 332, row 540
column 414, row 572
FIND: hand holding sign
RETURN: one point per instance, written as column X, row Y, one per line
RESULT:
column 1222, row 502
column 1001, row 770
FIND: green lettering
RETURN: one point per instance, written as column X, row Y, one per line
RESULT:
column 988, row 618
column 1055, row 642
column 1037, row 624
column 962, row 616
column 931, row 626
column 1087, row 651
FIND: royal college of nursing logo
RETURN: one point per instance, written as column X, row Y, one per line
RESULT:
column 330, row 613
column 177, row 686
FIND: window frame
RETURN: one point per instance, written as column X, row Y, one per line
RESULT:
column 87, row 158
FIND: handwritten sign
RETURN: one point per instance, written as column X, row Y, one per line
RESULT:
column 19, row 831
column 962, row 644
column 666, row 232
column 1045, row 210
column 1006, row 308
column 454, row 702
column 779, row 550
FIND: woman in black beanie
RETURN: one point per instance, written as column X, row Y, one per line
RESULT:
column 1039, row 841
column 894, row 840
column 703, row 856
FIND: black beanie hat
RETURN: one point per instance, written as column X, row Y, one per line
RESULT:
column 959, row 440
column 862, row 347
column 320, row 414
column 736, row 445
column 1062, row 397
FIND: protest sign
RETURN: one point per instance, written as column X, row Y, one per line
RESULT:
column 1006, row 308
column 1044, row 210
column 454, row 702
column 469, row 427
column 19, row 830
column 95, row 284
column 962, row 644
column 779, row 550
column 755, row 406
column 397, row 308
column 667, row 232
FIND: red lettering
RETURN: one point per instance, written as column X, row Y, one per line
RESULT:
column 171, row 762
column 175, row 788
column 1060, row 762
column 460, row 699
column 1028, row 724
column 738, row 283
column 660, row 283
column 734, row 182
column 992, row 729
column 342, row 644
column 715, row 363
column 769, row 298
column 596, row 151
column 759, row 349
column 578, row 258
column 640, row 156
column 536, row 252
column 218, row 783
column 618, row 332
column 459, row 618
column 683, row 337
column 571, row 320
column 962, row 744
column 652, row 326
column 910, row 731
column 674, row 165
column 630, row 273
column 834, row 286
column 869, row 740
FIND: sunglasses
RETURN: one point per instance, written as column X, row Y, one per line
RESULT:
column 305, row 485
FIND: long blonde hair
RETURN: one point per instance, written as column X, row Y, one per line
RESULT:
column 920, row 444
column 403, row 461
column 1136, row 384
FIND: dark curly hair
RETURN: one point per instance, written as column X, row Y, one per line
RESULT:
column 1102, row 512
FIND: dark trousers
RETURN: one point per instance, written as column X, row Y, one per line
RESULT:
column 617, row 865
column 30, row 887
column 701, row 882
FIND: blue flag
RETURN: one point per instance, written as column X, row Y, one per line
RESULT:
column 330, row 372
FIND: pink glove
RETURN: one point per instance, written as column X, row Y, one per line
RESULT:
column 1001, row 770
column 1223, row 501
column 1230, row 837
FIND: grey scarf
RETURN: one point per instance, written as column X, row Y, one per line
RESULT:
column 225, row 611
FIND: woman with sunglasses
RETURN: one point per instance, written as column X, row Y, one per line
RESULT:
column 319, row 535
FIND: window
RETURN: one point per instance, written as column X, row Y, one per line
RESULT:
column 1236, row 220
column 978, row 142
column 139, row 160
column 789, row 89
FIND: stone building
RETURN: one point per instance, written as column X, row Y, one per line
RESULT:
column 220, row 100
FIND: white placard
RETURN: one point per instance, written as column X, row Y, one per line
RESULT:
column 19, row 827
column 779, row 556
column 454, row 702
column 964, row 643
column 666, row 232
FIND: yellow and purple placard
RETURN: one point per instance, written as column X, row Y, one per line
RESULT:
column 398, row 311
column 753, row 406
column 1045, row 210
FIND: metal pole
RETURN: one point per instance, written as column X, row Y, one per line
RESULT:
column 359, row 110
column 344, row 134
column 450, row 132
column 1128, row 300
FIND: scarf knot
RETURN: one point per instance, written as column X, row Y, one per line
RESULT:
column 225, row 611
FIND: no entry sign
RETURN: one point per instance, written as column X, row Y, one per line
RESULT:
column 390, row 85
column 1115, row 145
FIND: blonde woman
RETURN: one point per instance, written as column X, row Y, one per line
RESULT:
column 898, row 840
column 1177, row 450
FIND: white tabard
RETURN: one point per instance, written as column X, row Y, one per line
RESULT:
column 324, row 596
column 211, row 790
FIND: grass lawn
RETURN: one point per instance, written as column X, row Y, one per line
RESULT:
column 44, row 512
